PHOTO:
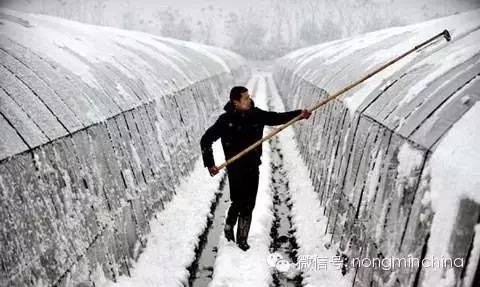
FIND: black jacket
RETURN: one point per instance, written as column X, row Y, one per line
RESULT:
column 238, row 130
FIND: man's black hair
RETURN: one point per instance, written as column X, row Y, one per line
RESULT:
column 236, row 92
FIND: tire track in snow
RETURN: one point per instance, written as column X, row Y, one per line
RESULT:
column 201, row 269
column 307, row 212
column 234, row 267
column 175, row 230
column 283, row 231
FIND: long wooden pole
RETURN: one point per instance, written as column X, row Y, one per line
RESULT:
column 445, row 34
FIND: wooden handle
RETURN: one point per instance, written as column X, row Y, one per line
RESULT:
column 445, row 34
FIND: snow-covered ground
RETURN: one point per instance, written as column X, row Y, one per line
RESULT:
column 175, row 230
column 321, row 264
column 234, row 267
column 174, row 233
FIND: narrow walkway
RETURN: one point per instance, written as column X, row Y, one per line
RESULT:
column 235, row 267
column 201, row 270
column 320, row 266
column 283, row 231
column 175, row 230
column 187, row 247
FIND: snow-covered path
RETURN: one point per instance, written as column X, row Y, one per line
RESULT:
column 233, row 266
column 174, row 232
column 319, row 265
column 177, row 231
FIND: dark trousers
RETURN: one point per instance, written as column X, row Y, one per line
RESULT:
column 243, row 192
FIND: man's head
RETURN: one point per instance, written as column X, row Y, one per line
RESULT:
column 240, row 98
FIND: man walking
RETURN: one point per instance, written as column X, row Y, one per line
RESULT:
column 240, row 126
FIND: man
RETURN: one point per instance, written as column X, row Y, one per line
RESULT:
column 239, row 127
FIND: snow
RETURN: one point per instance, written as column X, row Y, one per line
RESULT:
column 55, row 37
column 101, row 71
column 309, row 54
column 10, row 142
column 121, row 91
column 220, row 22
column 307, row 214
column 206, row 52
column 313, row 63
column 379, row 228
column 455, row 174
column 465, row 100
column 135, row 156
column 174, row 233
column 233, row 267
column 364, row 41
column 443, row 61
column 175, row 230
column 47, row 41
column 409, row 161
column 454, row 165
column 366, row 88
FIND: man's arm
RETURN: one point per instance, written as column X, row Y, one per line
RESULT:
column 270, row 118
column 209, row 137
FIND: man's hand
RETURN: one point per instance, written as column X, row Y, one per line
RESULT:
column 305, row 114
column 213, row 170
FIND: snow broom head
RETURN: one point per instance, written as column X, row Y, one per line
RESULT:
column 447, row 36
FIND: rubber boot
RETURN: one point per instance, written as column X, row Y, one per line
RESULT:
column 242, row 231
column 228, row 231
